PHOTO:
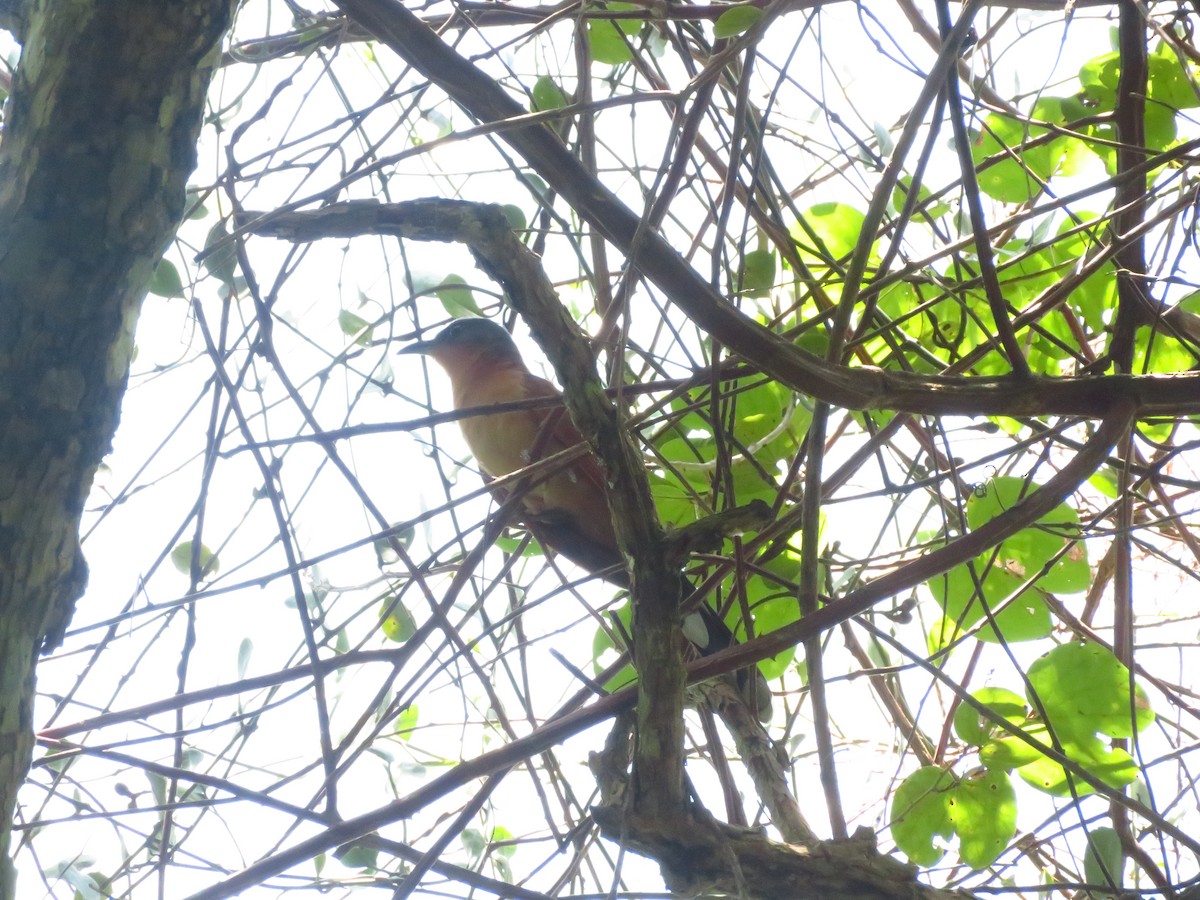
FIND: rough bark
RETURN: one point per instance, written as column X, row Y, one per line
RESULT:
column 100, row 136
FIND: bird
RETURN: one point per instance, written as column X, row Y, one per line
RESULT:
column 567, row 509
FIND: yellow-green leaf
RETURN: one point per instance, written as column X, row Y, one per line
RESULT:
column 166, row 281
column 355, row 327
column 736, row 20
column 395, row 621
column 181, row 558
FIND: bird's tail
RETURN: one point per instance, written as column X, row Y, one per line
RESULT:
column 703, row 627
column 709, row 634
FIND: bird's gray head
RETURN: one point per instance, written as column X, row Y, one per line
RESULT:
column 472, row 334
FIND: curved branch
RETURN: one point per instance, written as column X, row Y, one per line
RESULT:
column 1091, row 396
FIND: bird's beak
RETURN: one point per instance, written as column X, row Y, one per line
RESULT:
column 419, row 347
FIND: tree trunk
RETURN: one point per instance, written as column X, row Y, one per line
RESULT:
column 99, row 138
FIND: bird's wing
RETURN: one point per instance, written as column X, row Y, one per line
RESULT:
column 590, row 543
column 558, row 432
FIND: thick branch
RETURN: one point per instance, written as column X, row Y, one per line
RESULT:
column 92, row 176
column 1133, row 306
column 658, row 761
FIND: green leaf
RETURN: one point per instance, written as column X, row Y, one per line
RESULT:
column 976, row 729
column 158, row 787
column 751, row 482
column 439, row 126
column 166, row 281
column 220, row 259
column 815, row 341
column 472, row 839
column 772, row 609
column 629, row 26
column 993, row 498
column 503, row 869
column 192, row 757
column 515, row 216
column 1010, row 752
column 1111, row 765
column 395, row 621
column 385, row 552
column 1084, row 689
column 921, row 812
column 510, row 544
column 1016, row 168
column 406, row 722
column 1104, row 860
column 758, row 271
column 688, row 451
column 1159, row 353
column 181, row 558
column 501, row 835
column 837, row 225
column 1099, row 77
column 1069, row 154
column 1026, row 618
column 1026, row 274
column 1105, row 481
column 1161, row 129
column 759, row 409
column 457, row 299
column 358, row 857
column 1191, row 302
column 675, row 500
column 983, row 810
column 1169, row 91
column 735, row 20
column 192, row 202
column 546, row 95
column 925, row 207
column 604, row 650
column 931, row 802
column 57, row 763
column 607, row 43
column 1170, row 83
column 71, row 871
column 245, row 649
column 1030, row 549
column 355, row 327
